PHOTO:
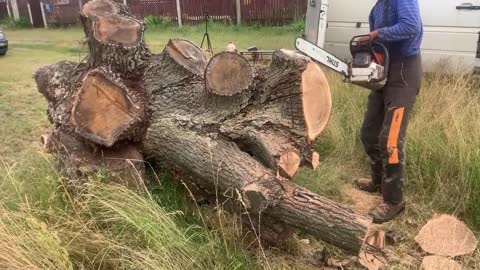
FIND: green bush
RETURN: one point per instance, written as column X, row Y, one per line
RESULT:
column 22, row 22
column 156, row 21
column 298, row 25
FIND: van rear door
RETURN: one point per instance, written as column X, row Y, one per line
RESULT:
column 451, row 30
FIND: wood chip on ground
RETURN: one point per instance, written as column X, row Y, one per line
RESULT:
column 376, row 239
column 371, row 261
column 439, row 263
column 445, row 235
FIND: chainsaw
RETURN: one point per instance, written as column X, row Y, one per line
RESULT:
column 369, row 67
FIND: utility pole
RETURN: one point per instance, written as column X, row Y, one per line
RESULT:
column 179, row 14
column 239, row 12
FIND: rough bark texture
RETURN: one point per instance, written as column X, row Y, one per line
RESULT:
column 242, row 143
column 115, row 38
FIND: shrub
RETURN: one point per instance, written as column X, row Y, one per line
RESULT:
column 22, row 22
column 298, row 25
column 157, row 21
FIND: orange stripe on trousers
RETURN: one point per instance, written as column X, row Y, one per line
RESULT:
column 392, row 142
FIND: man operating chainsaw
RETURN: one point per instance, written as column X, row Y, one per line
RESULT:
column 398, row 25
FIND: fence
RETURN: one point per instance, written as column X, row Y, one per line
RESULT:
column 273, row 12
column 3, row 9
column 192, row 11
column 219, row 10
column 165, row 8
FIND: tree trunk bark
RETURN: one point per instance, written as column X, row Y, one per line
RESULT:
column 228, row 129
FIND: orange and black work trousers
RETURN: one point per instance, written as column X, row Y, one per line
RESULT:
column 384, row 128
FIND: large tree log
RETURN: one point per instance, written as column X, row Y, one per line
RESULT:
column 243, row 140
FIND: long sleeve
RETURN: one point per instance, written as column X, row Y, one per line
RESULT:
column 371, row 20
column 409, row 23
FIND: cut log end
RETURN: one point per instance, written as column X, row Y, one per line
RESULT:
column 376, row 239
column 317, row 100
column 102, row 110
column 315, row 160
column 94, row 7
column 254, row 199
column 439, row 263
column 44, row 140
column 445, row 235
column 117, row 29
column 188, row 55
column 289, row 164
column 228, row 74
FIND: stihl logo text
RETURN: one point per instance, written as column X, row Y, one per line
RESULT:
column 332, row 61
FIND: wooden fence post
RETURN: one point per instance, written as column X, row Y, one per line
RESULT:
column 44, row 17
column 16, row 14
column 179, row 14
column 239, row 12
column 8, row 9
column 30, row 13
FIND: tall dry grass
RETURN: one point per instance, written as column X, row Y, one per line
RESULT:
column 443, row 146
column 110, row 227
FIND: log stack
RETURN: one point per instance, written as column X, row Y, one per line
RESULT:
column 227, row 127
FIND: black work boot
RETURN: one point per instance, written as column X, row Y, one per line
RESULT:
column 385, row 212
column 366, row 184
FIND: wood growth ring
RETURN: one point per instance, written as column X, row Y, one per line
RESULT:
column 102, row 110
column 228, row 74
column 117, row 29
column 187, row 54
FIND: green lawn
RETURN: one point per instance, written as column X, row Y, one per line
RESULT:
column 124, row 230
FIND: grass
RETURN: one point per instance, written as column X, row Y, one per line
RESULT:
column 42, row 227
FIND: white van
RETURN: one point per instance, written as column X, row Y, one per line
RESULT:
column 451, row 30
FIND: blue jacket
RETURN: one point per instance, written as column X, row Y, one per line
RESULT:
column 404, row 29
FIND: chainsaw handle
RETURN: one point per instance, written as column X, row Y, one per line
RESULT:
column 386, row 61
column 366, row 42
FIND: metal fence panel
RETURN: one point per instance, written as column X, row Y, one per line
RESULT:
column 164, row 8
column 262, row 11
column 272, row 11
column 218, row 10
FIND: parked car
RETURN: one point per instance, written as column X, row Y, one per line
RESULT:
column 3, row 43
